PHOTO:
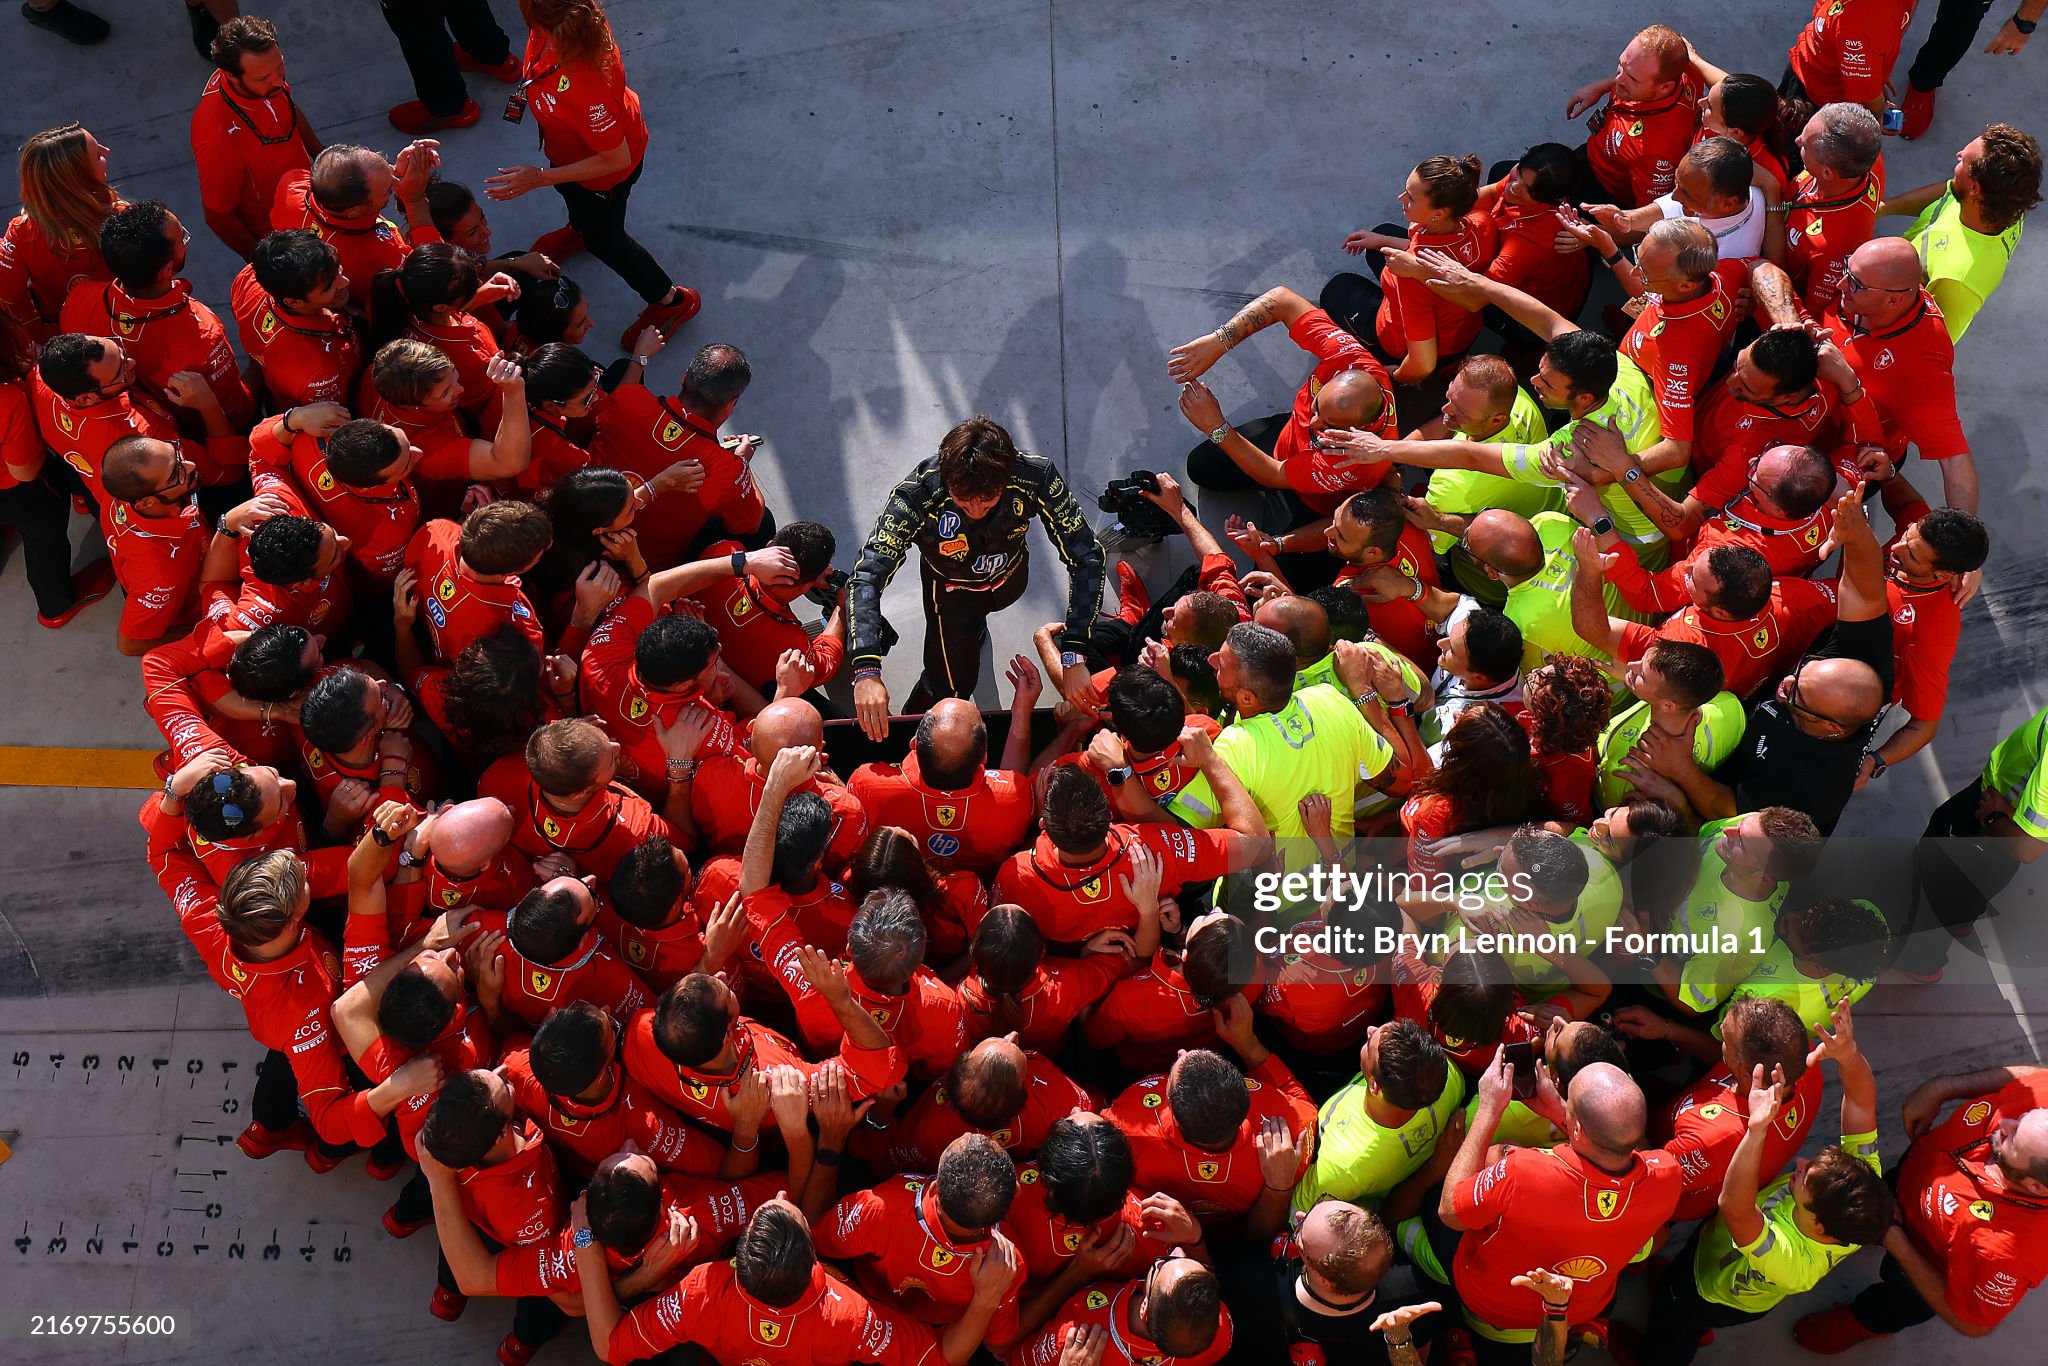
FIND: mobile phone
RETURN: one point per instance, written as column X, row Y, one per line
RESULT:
column 1894, row 120
column 1522, row 1057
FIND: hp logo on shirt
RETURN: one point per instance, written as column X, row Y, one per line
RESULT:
column 943, row 845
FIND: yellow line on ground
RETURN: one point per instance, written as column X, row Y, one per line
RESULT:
column 37, row 766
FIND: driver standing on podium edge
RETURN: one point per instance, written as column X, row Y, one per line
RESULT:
column 968, row 510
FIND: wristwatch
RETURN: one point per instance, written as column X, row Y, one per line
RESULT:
column 1635, row 472
column 1878, row 762
column 582, row 1239
column 739, row 564
column 1221, row 434
column 2026, row 28
column 1119, row 775
column 1602, row 525
column 1069, row 658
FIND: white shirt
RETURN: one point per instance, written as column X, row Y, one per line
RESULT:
column 1739, row 237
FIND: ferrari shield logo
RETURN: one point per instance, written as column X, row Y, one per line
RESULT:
column 1152, row 1101
column 562, row 86
column 1003, row 1137
column 941, row 1259
column 1207, row 1171
column 1606, row 1204
column 445, row 590
column 698, row 1090
column 880, row 1015
column 1096, row 1299
column 1091, row 890
column 451, row 896
column 235, row 971
column 741, row 604
column 1162, row 780
column 1719, row 308
column 539, row 982
column 65, row 421
column 1762, row 638
column 1981, row 1209
column 946, row 815
column 636, row 951
column 767, row 1330
column 266, row 324
column 551, row 827
column 1071, row 1240
column 671, row 433
column 637, row 708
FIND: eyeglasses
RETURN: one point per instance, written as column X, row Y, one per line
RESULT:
column 1800, row 709
column 1851, row 284
column 231, row 814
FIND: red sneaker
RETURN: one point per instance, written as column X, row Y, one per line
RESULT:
column 384, row 1171
column 559, row 245
column 513, row 1352
column 258, row 1142
column 1133, row 602
column 416, row 119
column 404, row 1228
column 321, row 1161
column 1831, row 1331
column 665, row 317
column 448, row 1304
column 88, row 586
column 509, row 71
column 1919, row 111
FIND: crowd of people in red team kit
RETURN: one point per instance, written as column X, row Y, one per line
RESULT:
column 497, row 789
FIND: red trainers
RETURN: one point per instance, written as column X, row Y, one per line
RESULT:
column 88, row 586
column 258, row 1142
column 1919, row 111
column 416, row 119
column 448, row 1304
column 1133, row 602
column 404, row 1228
column 509, row 71
column 665, row 317
column 559, row 245
column 1831, row 1331
column 513, row 1352
column 322, row 1162
column 384, row 1171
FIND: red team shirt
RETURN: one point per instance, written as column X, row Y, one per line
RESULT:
column 36, row 276
column 242, row 148
column 1072, row 902
column 365, row 249
column 754, row 629
column 517, row 1202
column 1323, row 479
column 974, row 828
column 1754, row 651
column 1909, row 371
column 919, row 1136
column 582, row 108
column 644, row 434
column 1555, row 1201
column 1411, row 312
column 1704, row 1125
column 902, row 1254
column 157, row 561
column 379, row 521
column 612, row 825
column 1635, row 148
column 1059, row 990
column 1677, row 345
column 465, row 1046
column 1848, row 50
column 80, row 435
column 1529, row 259
column 830, row 1324
column 303, row 359
column 1108, row 1305
column 587, row 1134
column 705, row 1097
column 163, row 336
column 1822, row 232
column 632, row 712
column 456, row 606
column 1048, row 1241
column 727, row 793
column 1211, row 1185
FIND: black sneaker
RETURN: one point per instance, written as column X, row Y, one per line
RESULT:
column 69, row 22
column 204, row 26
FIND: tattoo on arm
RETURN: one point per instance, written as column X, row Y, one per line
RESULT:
column 1253, row 316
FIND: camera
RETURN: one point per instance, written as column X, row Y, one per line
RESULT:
column 1138, row 518
column 826, row 594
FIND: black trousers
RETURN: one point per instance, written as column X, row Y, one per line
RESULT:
column 1889, row 1304
column 600, row 215
column 428, row 31
column 275, row 1105
column 955, row 628
column 41, row 516
column 1679, row 1317
column 1948, row 42
column 1210, row 468
column 1957, row 872
column 535, row 1318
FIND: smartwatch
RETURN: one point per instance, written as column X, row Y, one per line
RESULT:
column 2026, row 28
column 1602, row 525
column 1635, row 472
column 1119, row 775
column 739, row 564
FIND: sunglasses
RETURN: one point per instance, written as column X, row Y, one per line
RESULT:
column 231, row 814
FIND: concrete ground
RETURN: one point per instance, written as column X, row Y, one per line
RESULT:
column 905, row 214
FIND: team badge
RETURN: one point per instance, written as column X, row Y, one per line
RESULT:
column 1719, row 308
column 880, row 1015
column 1762, row 638
column 314, row 759
column 1152, row 1100
column 1606, row 1204
column 120, row 514
column 1016, row 507
column 740, row 604
column 698, row 1091
column 540, row 982
column 562, row 86
column 451, row 896
column 70, row 427
column 637, row 708
column 941, row 1259
column 235, row 971
column 949, row 523
column 1981, row 1209
column 636, row 951
column 1162, row 780
column 767, row 1330
column 551, row 827
column 1004, row 1138
column 1635, row 130
column 1812, row 537
column 324, row 482
column 1096, row 1299
column 946, row 815
column 1207, row 1171
column 1091, row 890
column 445, row 590
column 1977, row 1113
column 671, row 434
column 1071, row 1240
column 955, row 548
column 266, row 325
column 1029, row 1177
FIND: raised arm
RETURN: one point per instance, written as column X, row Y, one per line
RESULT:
column 1191, row 360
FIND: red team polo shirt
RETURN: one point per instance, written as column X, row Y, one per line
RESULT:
column 1400, row 624
column 588, row 1134
column 1554, row 1201
column 379, row 521
column 754, row 629
column 36, row 277
column 830, row 1324
column 1411, row 312
column 631, row 711
column 163, row 336
column 662, row 957
column 456, row 606
column 593, row 973
column 1703, row 1126
column 1322, row 1004
column 1069, row 903
column 1047, row 1241
column 1909, row 371
column 1635, row 148
column 1107, row 1305
column 303, row 359
column 1822, row 232
column 720, row 1208
column 643, row 435
column 1323, row 479
column 1731, row 432
column 1677, row 345
column 157, row 561
column 1211, row 1185
column 443, row 443
column 706, row 1097
column 1991, row 1242
column 974, row 828
column 919, row 1136
column 1529, row 259
column 365, row 249
column 612, row 825
column 466, row 1045
column 926, row 1022
column 1059, row 990
column 80, row 435
column 902, row 1254
column 1926, row 624
column 582, row 109
column 517, row 1202
column 1848, row 50
column 727, row 793
column 242, row 148
column 1753, row 652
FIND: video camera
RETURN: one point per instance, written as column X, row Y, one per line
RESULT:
column 1138, row 517
column 826, row 593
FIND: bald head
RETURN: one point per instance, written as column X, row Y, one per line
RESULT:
column 780, row 725
column 1609, row 1108
column 1886, row 263
column 468, row 835
column 1505, row 542
column 2029, row 1150
column 1847, row 690
column 1302, row 620
column 1351, row 398
column 951, row 744
column 135, row 466
column 987, row 1084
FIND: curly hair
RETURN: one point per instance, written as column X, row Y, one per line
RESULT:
column 1569, row 702
column 578, row 29
column 2009, row 176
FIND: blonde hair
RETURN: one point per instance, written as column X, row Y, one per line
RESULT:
column 59, row 192
column 578, row 29
column 260, row 897
column 406, row 371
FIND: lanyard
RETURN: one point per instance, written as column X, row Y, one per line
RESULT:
column 257, row 133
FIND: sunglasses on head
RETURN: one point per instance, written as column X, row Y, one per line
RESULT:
column 231, row 814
